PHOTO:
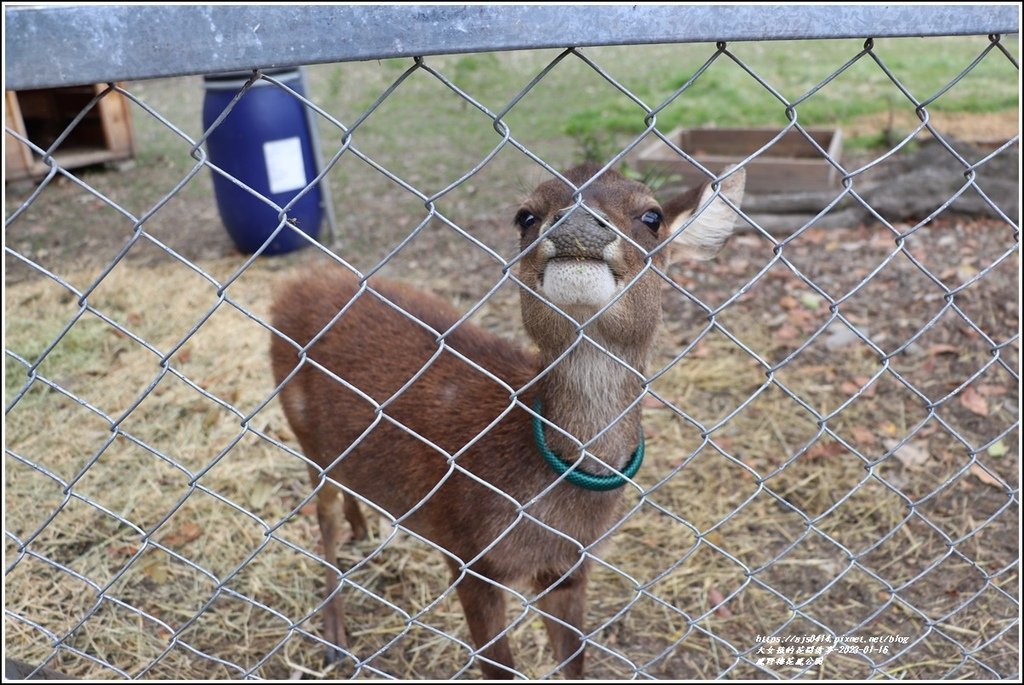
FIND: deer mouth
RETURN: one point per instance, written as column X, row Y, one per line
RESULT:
column 584, row 282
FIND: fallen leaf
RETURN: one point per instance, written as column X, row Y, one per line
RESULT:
column 122, row 550
column 863, row 380
column 863, row 434
column 716, row 598
column 966, row 271
column 840, row 336
column 185, row 533
column 973, row 401
column 715, row 538
column 683, row 281
column 942, row 348
column 910, row 455
column 855, row 384
column 788, row 302
column 800, row 317
column 260, row 492
column 810, row 300
column 210, row 418
column 850, row 388
column 997, row 449
column 881, row 239
column 820, row 449
column 986, row 390
column 739, row 265
column 812, row 236
column 928, row 368
column 984, row 476
column 818, row 371
column 156, row 569
column 724, row 442
column 786, row 334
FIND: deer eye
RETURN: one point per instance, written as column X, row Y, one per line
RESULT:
column 652, row 219
column 525, row 219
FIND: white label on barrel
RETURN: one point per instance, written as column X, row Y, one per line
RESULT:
column 286, row 169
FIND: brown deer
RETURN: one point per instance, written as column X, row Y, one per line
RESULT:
column 392, row 406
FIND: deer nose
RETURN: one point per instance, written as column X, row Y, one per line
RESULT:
column 581, row 236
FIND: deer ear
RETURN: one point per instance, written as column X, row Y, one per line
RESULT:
column 714, row 220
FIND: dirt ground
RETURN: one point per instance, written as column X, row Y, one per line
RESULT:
column 859, row 388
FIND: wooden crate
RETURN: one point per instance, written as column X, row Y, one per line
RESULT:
column 103, row 135
column 791, row 164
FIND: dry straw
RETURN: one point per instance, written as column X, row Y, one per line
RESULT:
column 721, row 520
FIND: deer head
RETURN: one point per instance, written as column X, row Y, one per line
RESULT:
column 596, row 257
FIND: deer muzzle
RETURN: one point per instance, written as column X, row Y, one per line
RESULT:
column 579, row 256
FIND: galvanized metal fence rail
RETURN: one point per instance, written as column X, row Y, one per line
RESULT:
column 116, row 44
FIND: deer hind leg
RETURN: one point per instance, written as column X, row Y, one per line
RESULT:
column 484, row 606
column 354, row 517
column 566, row 602
column 328, row 514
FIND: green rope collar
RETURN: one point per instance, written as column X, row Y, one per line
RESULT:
column 578, row 476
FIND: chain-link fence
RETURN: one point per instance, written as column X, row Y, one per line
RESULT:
column 830, row 415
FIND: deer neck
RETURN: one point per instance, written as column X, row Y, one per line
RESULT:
column 583, row 394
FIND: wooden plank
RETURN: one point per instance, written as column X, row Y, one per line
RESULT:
column 115, row 116
column 104, row 135
column 71, row 159
column 17, row 157
column 763, row 176
column 791, row 164
column 741, row 142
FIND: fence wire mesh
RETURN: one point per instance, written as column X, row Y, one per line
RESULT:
column 831, row 484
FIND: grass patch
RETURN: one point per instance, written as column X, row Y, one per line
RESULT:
column 575, row 113
column 728, row 95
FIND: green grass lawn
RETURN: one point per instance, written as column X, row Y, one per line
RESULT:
column 575, row 112
column 728, row 95
column 575, row 100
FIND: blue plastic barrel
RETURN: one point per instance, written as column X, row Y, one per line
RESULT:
column 265, row 143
